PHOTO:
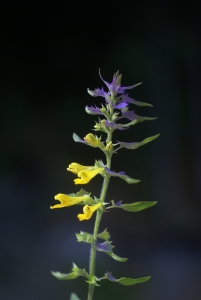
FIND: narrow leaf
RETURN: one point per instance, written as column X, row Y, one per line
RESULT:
column 125, row 280
column 130, row 281
column 122, row 175
column 134, row 207
column 107, row 248
column 127, row 178
column 138, row 103
column 116, row 257
column 138, row 119
column 136, row 145
column 76, row 272
column 62, row 276
column 137, row 206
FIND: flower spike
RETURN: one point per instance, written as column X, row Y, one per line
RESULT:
column 114, row 114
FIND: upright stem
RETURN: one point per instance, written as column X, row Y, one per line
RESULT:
column 96, row 227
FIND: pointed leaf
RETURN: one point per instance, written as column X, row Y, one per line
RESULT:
column 136, row 145
column 107, row 248
column 116, row 257
column 73, row 296
column 76, row 272
column 104, row 235
column 62, row 276
column 125, row 280
column 138, row 119
column 122, row 175
column 138, row 103
column 136, row 206
column 128, row 179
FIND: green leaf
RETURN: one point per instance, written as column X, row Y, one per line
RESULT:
column 74, row 297
column 62, row 276
column 76, row 272
column 116, row 257
column 123, row 176
column 136, row 145
column 138, row 119
column 84, row 237
column 138, row 103
column 136, row 206
column 125, row 280
column 76, row 138
column 127, row 178
column 131, row 180
column 130, row 281
column 107, row 248
column 104, row 235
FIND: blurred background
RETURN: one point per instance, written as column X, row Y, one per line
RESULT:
column 51, row 53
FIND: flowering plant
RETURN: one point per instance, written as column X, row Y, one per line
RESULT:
column 115, row 108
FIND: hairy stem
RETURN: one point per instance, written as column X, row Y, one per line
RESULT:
column 96, row 227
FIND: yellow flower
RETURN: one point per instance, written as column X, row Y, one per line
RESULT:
column 88, row 211
column 68, row 200
column 93, row 140
column 86, row 173
column 76, row 168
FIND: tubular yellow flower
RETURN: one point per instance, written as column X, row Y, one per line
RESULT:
column 86, row 173
column 93, row 140
column 86, row 176
column 76, row 168
column 88, row 212
column 68, row 201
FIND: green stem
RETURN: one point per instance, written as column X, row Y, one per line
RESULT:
column 96, row 227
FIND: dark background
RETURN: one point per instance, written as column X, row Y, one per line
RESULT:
column 51, row 53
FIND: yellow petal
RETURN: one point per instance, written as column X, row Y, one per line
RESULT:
column 68, row 201
column 88, row 212
column 92, row 140
column 76, row 168
column 86, row 176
